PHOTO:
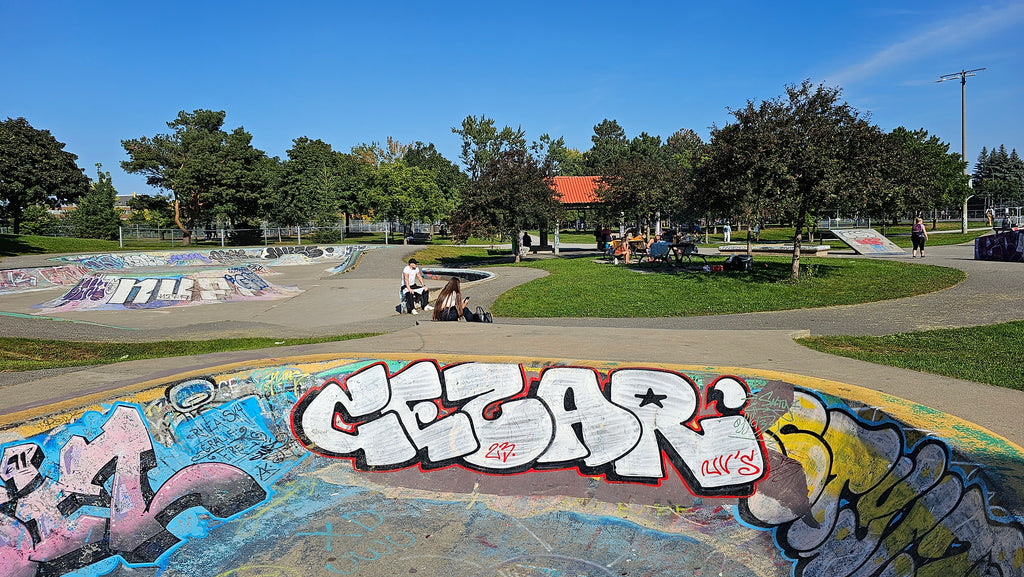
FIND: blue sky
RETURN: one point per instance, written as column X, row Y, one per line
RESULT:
column 95, row 73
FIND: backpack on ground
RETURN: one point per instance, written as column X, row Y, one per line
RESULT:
column 483, row 316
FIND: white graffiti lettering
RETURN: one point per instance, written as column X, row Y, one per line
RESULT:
column 487, row 417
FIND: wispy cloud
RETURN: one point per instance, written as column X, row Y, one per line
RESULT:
column 978, row 23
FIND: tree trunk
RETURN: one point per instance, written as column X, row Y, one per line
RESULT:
column 186, row 235
column 515, row 246
column 750, row 242
column 794, row 273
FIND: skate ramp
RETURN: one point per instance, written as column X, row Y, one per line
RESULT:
column 397, row 465
column 867, row 241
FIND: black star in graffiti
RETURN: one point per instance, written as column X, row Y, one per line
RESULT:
column 649, row 398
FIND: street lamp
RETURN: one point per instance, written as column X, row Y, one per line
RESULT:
column 962, row 75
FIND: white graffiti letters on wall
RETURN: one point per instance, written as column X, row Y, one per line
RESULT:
column 487, row 417
column 57, row 520
column 166, row 290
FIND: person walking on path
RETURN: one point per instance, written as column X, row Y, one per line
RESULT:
column 918, row 235
column 414, row 289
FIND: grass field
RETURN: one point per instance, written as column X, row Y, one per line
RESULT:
column 581, row 287
column 18, row 354
column 985, row 354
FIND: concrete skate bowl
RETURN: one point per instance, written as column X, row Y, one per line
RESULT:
column 125, row 281
column 503, row 467
column 463, row 274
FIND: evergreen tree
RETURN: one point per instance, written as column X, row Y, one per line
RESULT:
column 96, row 215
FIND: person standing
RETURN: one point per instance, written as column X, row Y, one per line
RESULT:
column 726, row 232
column 414, row 289
column 918, row 235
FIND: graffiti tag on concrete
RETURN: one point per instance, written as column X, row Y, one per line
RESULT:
column 108, row 292
column 222, row 461
column 486, row 417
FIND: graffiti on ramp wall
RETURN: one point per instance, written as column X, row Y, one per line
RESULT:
column 161, row 290
column 365, row 466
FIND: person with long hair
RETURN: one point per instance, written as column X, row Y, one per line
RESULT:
column 451, row 305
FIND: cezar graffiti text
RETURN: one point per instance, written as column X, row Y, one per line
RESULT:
column 491, row 418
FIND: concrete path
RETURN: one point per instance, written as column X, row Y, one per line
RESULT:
column 364, row 299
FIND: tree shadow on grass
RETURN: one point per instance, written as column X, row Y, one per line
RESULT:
column 11, row 245
column 761, row 273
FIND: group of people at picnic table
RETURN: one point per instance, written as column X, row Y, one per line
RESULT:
column 632, row 242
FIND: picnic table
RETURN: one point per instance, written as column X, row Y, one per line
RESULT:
column 688, row 249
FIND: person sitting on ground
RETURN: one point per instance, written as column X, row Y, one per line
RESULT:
column 414, row 289
column 451, row 304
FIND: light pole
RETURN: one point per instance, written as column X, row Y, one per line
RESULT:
column 962, row 75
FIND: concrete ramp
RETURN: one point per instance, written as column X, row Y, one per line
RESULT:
column 476, row 466
column 867, row 241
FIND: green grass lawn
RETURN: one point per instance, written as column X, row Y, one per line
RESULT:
column 986, row 354
column 581, row 287
column 18, row 354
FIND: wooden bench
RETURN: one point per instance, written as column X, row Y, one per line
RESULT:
column 420, row 238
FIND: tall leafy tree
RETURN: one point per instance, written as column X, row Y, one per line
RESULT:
column 637, row 184
column 96, row 215
column 210, row 173
column 802, row 153
column 405, row 193
column 919, row 174
column 513, row 193
column 316, row 183
column 451, row 182
column 35, row 170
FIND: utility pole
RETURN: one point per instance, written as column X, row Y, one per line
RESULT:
column 962, row 75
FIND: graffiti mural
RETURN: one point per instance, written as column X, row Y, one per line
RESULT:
column 565, row 420
column 115, row 292
column 273, row 255
column 1005, row 246
column 385, row 467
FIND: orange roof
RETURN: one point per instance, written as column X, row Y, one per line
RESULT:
column 577, row 189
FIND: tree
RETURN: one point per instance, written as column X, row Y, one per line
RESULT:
column 210, row 173
column 512, row 193
column 919, row 174
column 609, row 144
column 482, row 142
column 35, row 219
column 35, row 170
column 96, row 215
column 1000, row 176
column 637, row 183
column 151, row 211
column 316, row 183
column 804, row 153
column 405, row 193
column 451, row 182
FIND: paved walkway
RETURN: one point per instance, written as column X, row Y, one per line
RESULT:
column 993, row 292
